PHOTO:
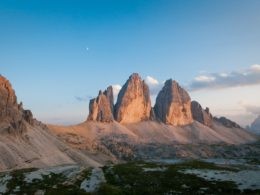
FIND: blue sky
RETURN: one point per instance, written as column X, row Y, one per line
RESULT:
column 54, row 51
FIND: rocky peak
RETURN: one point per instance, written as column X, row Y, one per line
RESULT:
column 8, row 99
column 227, row 122
column 110, row 96
column 101, row 108
column 12, row 116
column 173, row 105
column 255, row 126
column 201, row 115
column 133, row 102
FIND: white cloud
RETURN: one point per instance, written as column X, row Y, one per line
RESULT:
column 151, row 81
column 154, row 85
column 204, row 78
column 245, row 77
column 223, row 74
column 255, row 67
column 83, row 98
column 253, row 109
column 116, row 89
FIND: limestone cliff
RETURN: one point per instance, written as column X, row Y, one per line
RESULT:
column 101, row 107
column 13, row 117
column 173, row 105
column 133, row 102
column 201, row 115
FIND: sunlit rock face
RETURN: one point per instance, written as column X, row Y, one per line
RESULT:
column 13, row 117
column 101, row 108
column 201, row 115
column 133, row 102
column 173, row 105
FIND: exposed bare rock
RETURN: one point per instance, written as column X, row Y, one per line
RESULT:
column 28, row 117
column 173, row 105
column 133, row 102
column 12, row 115
column 101, row 108
column 227, row 122
column 201, row 115
column 152, row 115
column 110, row 96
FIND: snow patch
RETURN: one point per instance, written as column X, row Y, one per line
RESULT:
column 246, row 179
column 97, row 177
column 68, row 171
column 3, row 183
column 154, row 169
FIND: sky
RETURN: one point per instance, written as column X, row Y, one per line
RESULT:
column 59, row 54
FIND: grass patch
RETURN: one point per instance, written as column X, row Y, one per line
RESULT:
column 130, row 178
column 51, row 184
column 195, row 164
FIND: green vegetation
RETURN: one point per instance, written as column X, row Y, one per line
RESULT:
column 51, row 184
column 132, row 178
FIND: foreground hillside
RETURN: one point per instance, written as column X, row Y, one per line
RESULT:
column 157, row 140
column 26, row 142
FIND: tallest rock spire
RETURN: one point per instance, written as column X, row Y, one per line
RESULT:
column 133, row 102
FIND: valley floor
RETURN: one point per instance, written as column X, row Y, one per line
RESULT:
column 169, row 176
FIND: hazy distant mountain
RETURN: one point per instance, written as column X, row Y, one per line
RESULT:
column 255, row 126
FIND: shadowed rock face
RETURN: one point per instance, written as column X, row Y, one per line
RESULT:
column 201, row 115
column 173, row 105
column 109, row 94
column 226, row 122
column 101, row 108
column 133, row 102
column 12, row 115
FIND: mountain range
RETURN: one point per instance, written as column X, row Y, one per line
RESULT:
column 176, row 127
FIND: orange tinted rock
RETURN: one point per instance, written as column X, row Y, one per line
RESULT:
column 173, row 105
column 12, row 115
column 101, row 108
column 201, row 115
column 133, row 102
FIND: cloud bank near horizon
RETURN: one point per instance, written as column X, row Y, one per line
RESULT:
column 246, row 77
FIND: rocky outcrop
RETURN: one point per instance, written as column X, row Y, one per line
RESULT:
column 201, row 115
column 101, row 108
column 173, row 105
column 13, row 117
column 133, row 102
column 110, row 96
column 227, row 122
